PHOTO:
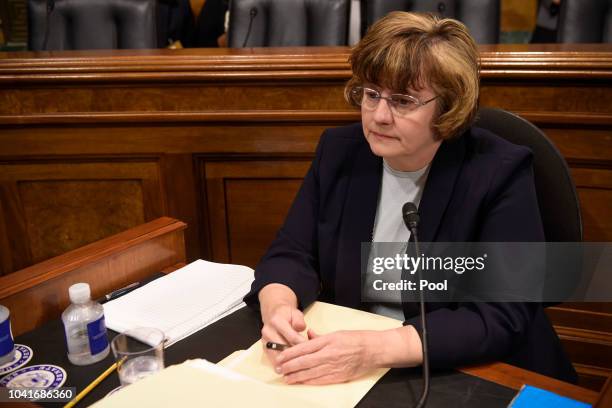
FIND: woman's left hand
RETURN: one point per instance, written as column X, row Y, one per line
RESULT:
column 332, row 358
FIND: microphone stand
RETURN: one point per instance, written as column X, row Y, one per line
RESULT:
column 425, row 391
column 252, row 14
column 411, row 219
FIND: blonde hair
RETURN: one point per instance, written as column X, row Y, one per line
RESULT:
column 411, row 50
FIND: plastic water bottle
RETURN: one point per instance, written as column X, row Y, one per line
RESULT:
column 84, row 326
column 7, row 347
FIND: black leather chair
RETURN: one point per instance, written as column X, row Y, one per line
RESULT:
column 557, row 199
column 278, row 23
column 585, row 21
column 91, row 24
column 482, row 17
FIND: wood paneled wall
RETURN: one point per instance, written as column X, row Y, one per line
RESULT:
column 95, row 142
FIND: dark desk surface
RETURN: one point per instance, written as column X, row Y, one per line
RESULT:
column 398, row 388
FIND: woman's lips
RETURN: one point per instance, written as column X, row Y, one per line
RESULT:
column 381, row 136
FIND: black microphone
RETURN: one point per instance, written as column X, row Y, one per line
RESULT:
column 50, row 7
column 252, row 14
column 410, row 214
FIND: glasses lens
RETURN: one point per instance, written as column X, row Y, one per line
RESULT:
column 356, row 95
column 370, row 98
column 403, row 103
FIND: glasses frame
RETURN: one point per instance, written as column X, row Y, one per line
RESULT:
column 393, row 106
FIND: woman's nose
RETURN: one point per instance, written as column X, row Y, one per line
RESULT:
column 382, row 113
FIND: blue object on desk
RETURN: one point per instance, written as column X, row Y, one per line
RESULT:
column 530, row 396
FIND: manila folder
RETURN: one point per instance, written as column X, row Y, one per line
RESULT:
column 322, row 318
column 199, row 383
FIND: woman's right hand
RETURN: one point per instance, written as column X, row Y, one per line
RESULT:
column 282, row 320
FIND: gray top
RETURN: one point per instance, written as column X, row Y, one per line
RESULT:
column 398, row 187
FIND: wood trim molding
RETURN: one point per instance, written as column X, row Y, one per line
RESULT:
column 586, row 336
column 264, row 116
column 241, row 116
column 55, row 267
column 605, row 397
column 39, row 293
column 173, row 268
column 567, row 118
column 514, row 377
column 588, row 61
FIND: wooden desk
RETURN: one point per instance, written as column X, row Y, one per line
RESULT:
column 96, row 142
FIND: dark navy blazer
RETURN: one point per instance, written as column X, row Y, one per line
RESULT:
column 479, row 188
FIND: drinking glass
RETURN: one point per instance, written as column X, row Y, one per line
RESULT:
column 139, row 353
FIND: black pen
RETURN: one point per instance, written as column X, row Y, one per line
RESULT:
column 276, row 346
column 119, row 292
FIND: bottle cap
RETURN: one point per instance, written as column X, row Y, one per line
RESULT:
column 79, row 293
column 4, row 313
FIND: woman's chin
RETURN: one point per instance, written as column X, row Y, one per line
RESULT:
column 384, row 151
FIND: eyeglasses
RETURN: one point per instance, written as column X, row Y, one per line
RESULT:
column 400, row 104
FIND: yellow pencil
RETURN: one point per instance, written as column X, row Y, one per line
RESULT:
column 91, row 386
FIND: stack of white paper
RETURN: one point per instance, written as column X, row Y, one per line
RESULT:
column 183, row 301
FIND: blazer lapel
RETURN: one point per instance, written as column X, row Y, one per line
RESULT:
column 439, row 187
column 438, row 191
column 357, row 224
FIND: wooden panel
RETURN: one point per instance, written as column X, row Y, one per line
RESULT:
column 40, row 292
column 255, row 207
column 595, row 191
column 265, row 133
column 56, row 222
column 605, row 398
column 177, row 97
column 17, row 252
column 179, row 181
column 592, row 377
column 6, row 257
column 591, row 97
column 585, row 329
column 247, row 202
column 599, row 346
column 588, row 144
column 51, row 207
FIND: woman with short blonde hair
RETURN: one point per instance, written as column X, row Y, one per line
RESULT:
column 415, row 80
column 405, row 51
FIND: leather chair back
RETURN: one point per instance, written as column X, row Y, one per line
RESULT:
column 92, row 24
column 557, row 197
column 482, row 17
column 585, row 21
column 273, row 23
